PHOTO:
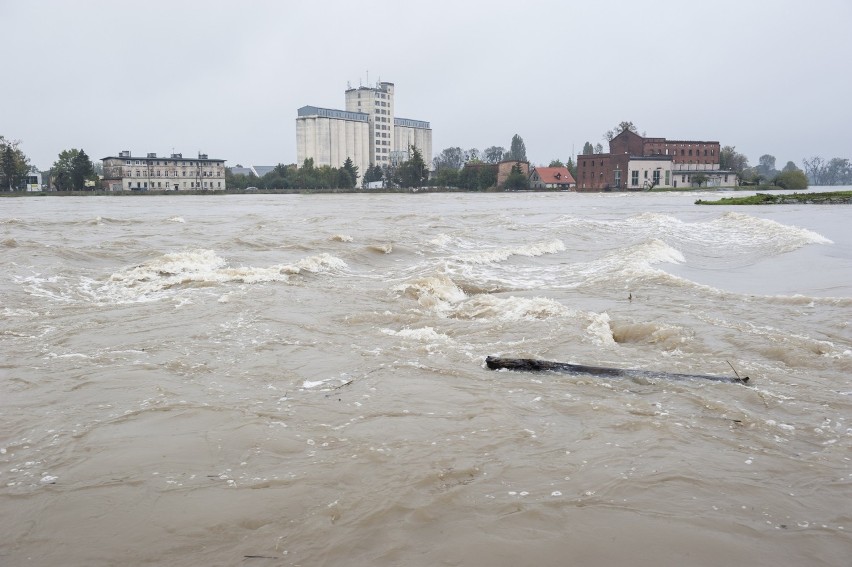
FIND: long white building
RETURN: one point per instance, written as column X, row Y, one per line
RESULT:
column 126, row 172
column 368, row 131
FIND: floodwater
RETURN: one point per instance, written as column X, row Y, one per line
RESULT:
column 300, row 380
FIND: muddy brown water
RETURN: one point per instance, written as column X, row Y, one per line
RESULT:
column 300, row 380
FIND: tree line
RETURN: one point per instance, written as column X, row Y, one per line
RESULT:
column 474, row 170
column 72, row 171
column 410, row 173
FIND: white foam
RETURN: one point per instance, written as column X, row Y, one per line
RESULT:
column 194, row 268
column 438, row 292
column 425, row 334
column 502, row 254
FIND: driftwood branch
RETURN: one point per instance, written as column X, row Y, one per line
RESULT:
column 533, row 365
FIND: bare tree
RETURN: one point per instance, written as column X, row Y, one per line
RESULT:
column 622, row 126
column 815, row 169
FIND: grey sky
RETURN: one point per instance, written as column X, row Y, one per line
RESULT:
column 226, row 78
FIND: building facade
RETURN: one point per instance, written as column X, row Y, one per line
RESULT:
column 126, row 172
column 635, row 162
column 551, row 178
column 368, row 131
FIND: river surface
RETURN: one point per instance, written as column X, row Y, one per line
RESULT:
column 300, row 380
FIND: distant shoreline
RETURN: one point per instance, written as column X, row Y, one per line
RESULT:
column 829, row 198
column 318, row 191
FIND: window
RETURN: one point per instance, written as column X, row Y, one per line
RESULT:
column 681, row 151
column 683, row 178
column 646, row 174
column 668, row 177
column 705, row 151
column 127, row 162
column 129, row 184
column 617, row 178
column 726, row 179
column 137, row 162
column 656, row 177
column 634, row 178
column 690, row 152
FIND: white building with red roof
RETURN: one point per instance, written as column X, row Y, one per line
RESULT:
column 552, row 178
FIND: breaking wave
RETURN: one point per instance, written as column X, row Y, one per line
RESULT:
column 199, row 268
column 503, row 254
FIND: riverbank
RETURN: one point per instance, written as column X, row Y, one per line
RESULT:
column 830, row 198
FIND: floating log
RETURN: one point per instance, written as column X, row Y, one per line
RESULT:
column 533, row 365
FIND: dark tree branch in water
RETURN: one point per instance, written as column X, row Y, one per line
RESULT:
column 533, row 365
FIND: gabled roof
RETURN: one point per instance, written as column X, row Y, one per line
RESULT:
column 261, row 170
column 555, row 175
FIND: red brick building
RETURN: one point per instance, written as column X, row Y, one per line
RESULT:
column 610, row 172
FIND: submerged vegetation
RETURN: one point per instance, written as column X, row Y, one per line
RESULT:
column 832, row 198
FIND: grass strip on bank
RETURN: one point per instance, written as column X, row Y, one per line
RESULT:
column 832, row 198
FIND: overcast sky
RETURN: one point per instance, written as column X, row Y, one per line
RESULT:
column 226, row 77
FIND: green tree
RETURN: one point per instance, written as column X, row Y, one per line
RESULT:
column 373, row 174
column 731, row 160
column 572, row 167
column 71, row 171
column 517, row 150
column 790, row 167
column 516, row 179
column 766, row 166
column 472, row 155
column 82, row 171
column 556, row 163
column 598, row 148
column 588, row 149
column 14, row 165
column 351, row 171
column 449, row 158
column 494, row 154
column 838, row 172
column 792, row 179
column 413, row 172
column 447, row 178
column 281, row 177
column 700, row 178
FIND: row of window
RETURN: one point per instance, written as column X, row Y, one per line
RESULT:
column 634, row 177
column 683, row 152
column 159, row 185
column 163, row 162
column 171, row 174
